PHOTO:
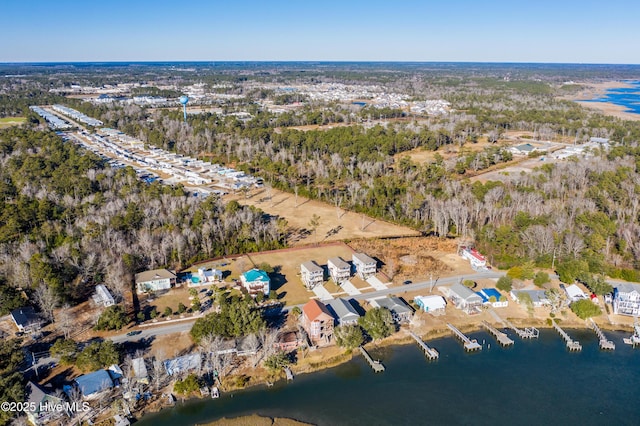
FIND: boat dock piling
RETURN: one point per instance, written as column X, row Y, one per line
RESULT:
column 376, row 365
column 527, row 333
column 429, row 352
column 604, row 342
column 288, row 373
column 469, row 345
column 572, row 345
column 501, row 337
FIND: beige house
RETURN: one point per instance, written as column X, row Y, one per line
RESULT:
column 318, row 323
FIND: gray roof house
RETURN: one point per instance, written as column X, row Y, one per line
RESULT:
column 26, row 319
column 339, row 270
column 463, row 298
column 626, row 299
column 343, row 312
column 39, row 398
column 365, row 265
column 538, row 297
column 400, row 311
column 311, row 274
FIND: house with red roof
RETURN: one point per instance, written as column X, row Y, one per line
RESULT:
column 317, row 322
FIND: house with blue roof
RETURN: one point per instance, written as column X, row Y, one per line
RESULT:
column 91, row 385
column 256, row 281
column 491, row 296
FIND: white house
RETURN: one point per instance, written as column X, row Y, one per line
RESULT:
column 626, row 299
column 432, row 304
column 103, row 296
column 365, row 266
column 575, row 293
column 311, row 274
column 256, row 281
column 538, row 297
column 209, row 275
column 474, row 257
column 339, row 270
column 463, row 298
column 400, row 311
column 157, row 279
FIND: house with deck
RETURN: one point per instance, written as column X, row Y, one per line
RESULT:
column 311, row 274
column 343, row 312
column 183, row 364
column 463, row 298
column 400, row 311
column 492, row 297
column 626, row 299
column 538, row 297
column 288, row 341
column 339, row 270
column 477, row 261
column 318, row 323
column 40, row 399
column 365, row 265
column 432, row 304
column 256, row 281
column 155, row 280
column 26, row 319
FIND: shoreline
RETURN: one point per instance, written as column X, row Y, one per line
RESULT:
column 586, row 98
column 400, row 338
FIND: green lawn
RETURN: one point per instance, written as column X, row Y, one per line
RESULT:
column 11, row 121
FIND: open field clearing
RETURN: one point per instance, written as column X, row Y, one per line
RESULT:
column 11, row 121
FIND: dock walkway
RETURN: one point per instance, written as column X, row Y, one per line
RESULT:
column 501, row 337
column 288, row 373
column 572, row 345
column 527, row 333
column 605, row 343
column 469, row 345
column 376, row 365
column 429, row 352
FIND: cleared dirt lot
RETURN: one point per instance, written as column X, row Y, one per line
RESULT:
column 334, row 224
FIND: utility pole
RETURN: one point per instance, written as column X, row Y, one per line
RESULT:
column 553, row 261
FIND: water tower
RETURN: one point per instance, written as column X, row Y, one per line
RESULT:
column 183, row 100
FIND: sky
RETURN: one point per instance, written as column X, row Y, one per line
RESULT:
column 562, row 31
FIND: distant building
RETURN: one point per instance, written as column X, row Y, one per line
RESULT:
column 343, row 312
column 311, row 274
column 491, row 296
column 400, row 311
column 604, row 141
column 339, row 270
column 317, row 322
column 463, row 298
column 103, row 296
column 432, row 304
column 365, row 265
column 524, row 149
column 26, row 319
column 155, row 280
column 256, row 281
column 626, row 299
column 474, row 257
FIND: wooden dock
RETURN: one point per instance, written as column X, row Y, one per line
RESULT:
column 288, row 373
column 501, row 337
column 605, row 343
column 429, row 352
column 469, row 345
column 527, row 333
column 376, row 365
column 572, row 345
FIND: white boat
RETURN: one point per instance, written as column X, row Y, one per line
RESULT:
column 215, row 393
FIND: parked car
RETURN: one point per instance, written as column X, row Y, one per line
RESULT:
column 134, row 333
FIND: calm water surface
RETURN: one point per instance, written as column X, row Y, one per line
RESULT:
column 533, row 382
column 628, row 97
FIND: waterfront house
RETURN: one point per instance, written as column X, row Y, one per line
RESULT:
column 538, row 297
column 40, row 400
column 432, row 304
column 103, row 297
column 26, row 319
column 92, row 385
column 463, row 298
column 339, row 270
column 365, row 265
column 311, row 274
column 491, row 296
column 256, row 281
column 155, row 280
column 317, row 322
column 574, row 293
column 139, row 370
column 626, row 299
column 343, row 312
column 400, row 311
column 183, row 364
column 288, row 341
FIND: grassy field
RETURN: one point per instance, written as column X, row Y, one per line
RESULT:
column 11, row 121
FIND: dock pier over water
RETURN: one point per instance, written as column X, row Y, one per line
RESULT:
column 501, row 337
column 605, row 343
column 572, row 345
column 527, row 333
column 429, row 352
column 376, row 365
column 469, row 345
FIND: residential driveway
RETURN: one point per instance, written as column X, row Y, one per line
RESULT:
column 322, row 293
column 376, row 283
column 350, row 288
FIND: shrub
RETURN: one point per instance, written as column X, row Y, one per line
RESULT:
column 505, row 283
column 113, row 318
column 189, row 385
column 585, row 309
column 168, row 311
column 541, row 278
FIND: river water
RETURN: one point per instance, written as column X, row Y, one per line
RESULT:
column 530, row 383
